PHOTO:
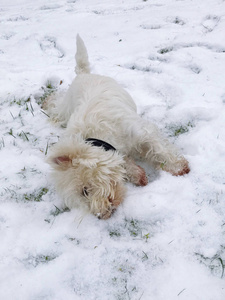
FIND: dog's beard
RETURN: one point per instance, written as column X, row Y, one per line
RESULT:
column 103, row 205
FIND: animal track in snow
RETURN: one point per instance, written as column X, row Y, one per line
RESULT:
column 210, row 22
column 223, row 98
column 138, row 67
column 50, row 47
column 176, row 20
column 195, row 68
column 145, row 66
column 50, row 6
column 151, row 27
column 7, row 36
column 150, row 64
column 18, row 18
column 157, row 58
column 175, row 47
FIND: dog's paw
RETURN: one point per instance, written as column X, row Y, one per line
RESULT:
column 135, row 173
column 184, row 169
column 141, row 179
column 180, row 168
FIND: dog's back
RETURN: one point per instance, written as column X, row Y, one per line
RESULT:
column 82, row 62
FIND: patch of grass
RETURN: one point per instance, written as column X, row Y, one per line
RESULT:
column 57, row 211
column 24, row 135
column 176, row 130
column 11, row 192
column 145, row 256
column 40, row 259
column 49, row 85
column 12, row 115
column 180, row 130
column 133, row 227
column 216, row 264
column 165, row 50
column 114, row 233
column 30, row 171
column 20, row 101
column 181, row 292
column 45, row 113
column 45, row 258
column 24, row 104
column 36, row 196
column 121, row 281
column 44, row 96
column 46, row 150
column 10, row 132
column 146, row 237
column 47, row 90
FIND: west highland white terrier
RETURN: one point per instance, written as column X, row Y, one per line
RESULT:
column 103, row 137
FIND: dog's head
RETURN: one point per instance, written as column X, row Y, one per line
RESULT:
column 88, row 175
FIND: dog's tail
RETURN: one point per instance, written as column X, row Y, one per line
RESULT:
column 82, row 62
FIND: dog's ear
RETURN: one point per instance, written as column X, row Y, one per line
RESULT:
column 63, row 162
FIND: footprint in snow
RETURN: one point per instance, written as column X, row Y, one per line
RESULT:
column 210, row 22
column 223, row 98
column 143, row 68
column 150, row 27
column 17, row 19
column 159, row 59
column 7, row 36
column 195, row 68
column 50, row 7
column 50, row 47
column 176, row 47
column 176, row 20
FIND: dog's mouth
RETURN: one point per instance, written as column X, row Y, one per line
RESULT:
column 112, row 202
column 107, row 210
column 106, row 215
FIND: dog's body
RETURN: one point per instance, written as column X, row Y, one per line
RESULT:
column 97, row 107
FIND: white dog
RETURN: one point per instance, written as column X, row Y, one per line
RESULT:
column 103, row 136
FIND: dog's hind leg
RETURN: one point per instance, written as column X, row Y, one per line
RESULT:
column 52, row 106
column 152, row 147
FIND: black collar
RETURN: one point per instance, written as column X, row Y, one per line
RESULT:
column 100, row 143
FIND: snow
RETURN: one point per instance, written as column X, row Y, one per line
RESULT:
column 166, row 241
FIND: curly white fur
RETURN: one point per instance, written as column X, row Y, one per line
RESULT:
column 98, row 107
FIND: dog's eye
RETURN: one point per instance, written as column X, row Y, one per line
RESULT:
column 85, row 192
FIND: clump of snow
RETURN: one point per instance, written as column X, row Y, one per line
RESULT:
column 167, row 239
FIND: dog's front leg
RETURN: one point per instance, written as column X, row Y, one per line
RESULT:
column 151, row 146
column 135, row 173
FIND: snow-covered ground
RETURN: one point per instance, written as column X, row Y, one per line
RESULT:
column 167, row 240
